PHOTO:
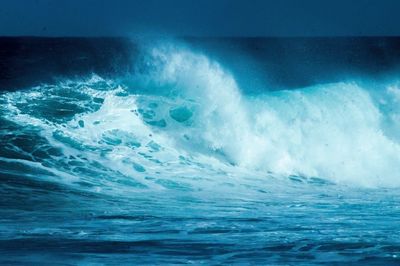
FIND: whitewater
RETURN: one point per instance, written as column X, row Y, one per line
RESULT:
column 181, row 161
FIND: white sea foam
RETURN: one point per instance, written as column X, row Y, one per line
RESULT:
column 188, row 114
column 333, row 131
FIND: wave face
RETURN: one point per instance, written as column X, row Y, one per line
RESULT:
column 183, row 161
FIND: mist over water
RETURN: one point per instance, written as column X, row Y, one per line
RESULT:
column 187, row 158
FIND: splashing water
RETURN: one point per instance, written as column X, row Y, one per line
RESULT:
column 182, row 163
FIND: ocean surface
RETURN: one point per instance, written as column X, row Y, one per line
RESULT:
column 274, row 151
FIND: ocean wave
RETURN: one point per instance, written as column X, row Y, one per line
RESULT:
column 183, row 117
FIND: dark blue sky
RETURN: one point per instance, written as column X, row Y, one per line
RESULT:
column 200, row 17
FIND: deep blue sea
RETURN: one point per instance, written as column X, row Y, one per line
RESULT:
column 214, row 152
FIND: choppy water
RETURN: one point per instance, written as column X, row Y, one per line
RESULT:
column 181, row 163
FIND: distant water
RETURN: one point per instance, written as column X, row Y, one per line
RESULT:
column 223, row 151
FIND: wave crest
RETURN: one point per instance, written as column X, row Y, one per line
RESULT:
column 182, row 109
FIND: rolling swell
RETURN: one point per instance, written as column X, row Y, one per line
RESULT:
column 180, row 160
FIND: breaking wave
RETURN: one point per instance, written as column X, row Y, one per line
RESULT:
column 182, row 117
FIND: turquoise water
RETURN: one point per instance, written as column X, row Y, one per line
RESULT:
column 182, row 163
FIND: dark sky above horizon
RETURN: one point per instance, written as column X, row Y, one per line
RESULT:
column 200, row 17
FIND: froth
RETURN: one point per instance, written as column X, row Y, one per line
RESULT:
column 183, row 108
column 332, row 131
